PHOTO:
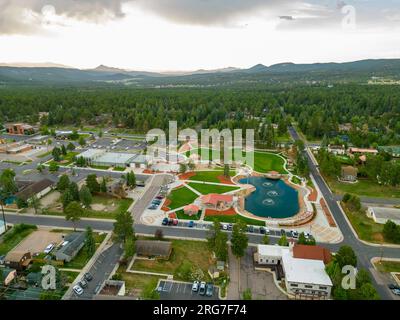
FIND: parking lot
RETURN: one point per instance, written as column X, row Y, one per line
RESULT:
column 171, row 290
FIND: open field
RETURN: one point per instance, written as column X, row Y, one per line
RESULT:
column 183, row 251
column 181, row 197
column 210, row 188
column 366, row 188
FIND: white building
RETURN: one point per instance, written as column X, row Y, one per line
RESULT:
column 306, row 277
column 269, row 254
column 337, row 149
column 382, row 215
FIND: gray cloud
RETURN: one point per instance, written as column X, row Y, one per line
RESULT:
column 25, row 16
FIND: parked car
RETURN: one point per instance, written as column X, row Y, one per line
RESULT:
column 195, row 286
column 83, row 283
column 88, row 276
column 210, row 290
column 160, row 197
column 191, row 224
column 170, row 221
column 393, row 286
column 230, row 227
column 283, row 232
column 175, row 222
column 250, row 229
column 262, row 230
column 224, row 226
column 396, row 292
column 48, row 249
column 165, row 221
column 97, row 289
column 152, row 207
column 202, row 288
column 307, row 235
column 267, row 231
column 78, row 290
column 294, row 234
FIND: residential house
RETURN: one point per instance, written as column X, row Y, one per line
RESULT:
column 71, row 246
column 349, row 174
column 152, row 248
column 116, row 187
column 217, row 201
column 363, row 151
column 382, row 214
column 336, row 149
column 7, row 275
column 38, row 189
column 18, row 260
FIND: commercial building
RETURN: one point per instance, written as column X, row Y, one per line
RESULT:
column 382, row 215
column 337, row 149
column 19, row 129
column 100, row 157
column 303, row 268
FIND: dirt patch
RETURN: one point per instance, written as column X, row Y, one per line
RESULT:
column 165, row 207
column 212, row 212
column 148, row 171
column 378, row 237
column 187, row 175
column 225, row 180
column 50, row 199
column 38, row 241
column 98, row 207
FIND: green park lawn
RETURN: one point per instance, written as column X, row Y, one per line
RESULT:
column 234, row 219
column 135, row 281
column 366, row 188
column 181, row 197
column 210, row 176
column 82, row 258
column 195, row 253
column 211, row 188
column 264, row 162
column 14, row 236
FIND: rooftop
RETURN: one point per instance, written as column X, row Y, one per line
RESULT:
column 305, row 270
column 214, row 198
column 271, row 250
column 386, row 213
column 302, row 251
column 34, row 188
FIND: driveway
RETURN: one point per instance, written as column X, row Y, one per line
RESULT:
column 261, row 283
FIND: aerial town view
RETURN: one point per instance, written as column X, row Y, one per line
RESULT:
column 192, row 172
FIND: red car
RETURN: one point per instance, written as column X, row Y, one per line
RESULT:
column 175, row 223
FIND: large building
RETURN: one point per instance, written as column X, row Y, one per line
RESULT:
column 382, row 215
column 303, row 267
column 19, row 129
column 100, row 157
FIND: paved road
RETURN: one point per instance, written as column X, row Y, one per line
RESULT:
column 364, row 252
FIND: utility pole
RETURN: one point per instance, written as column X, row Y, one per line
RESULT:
column 2, row 198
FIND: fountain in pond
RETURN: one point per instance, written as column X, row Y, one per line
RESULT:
column 267, row 184
column 268, row 202
column 272, row 193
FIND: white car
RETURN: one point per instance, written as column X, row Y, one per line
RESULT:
column 48, row 249
column 78, row 290
column 307, row 235
column 195, row 286
column 224, row 227
column 294, row 234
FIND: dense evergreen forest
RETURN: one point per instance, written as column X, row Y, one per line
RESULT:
column 373, row 110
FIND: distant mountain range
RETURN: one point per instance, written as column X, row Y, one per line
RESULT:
column 49, row 73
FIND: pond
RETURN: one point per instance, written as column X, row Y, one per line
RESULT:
column 271, row 199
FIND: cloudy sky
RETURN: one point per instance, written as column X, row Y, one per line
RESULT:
column 194, row 34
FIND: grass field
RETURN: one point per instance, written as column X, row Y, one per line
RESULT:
column 15, row 236
column 82, row 258
column 234, row 219
column 366, row 228
column 388, row 266
column 210, row 176
column 180, row 215
column 181, row 197
column 134, row 281
column 195, row 252
column 366, row 188
column 211, row 188
column 264, row 162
